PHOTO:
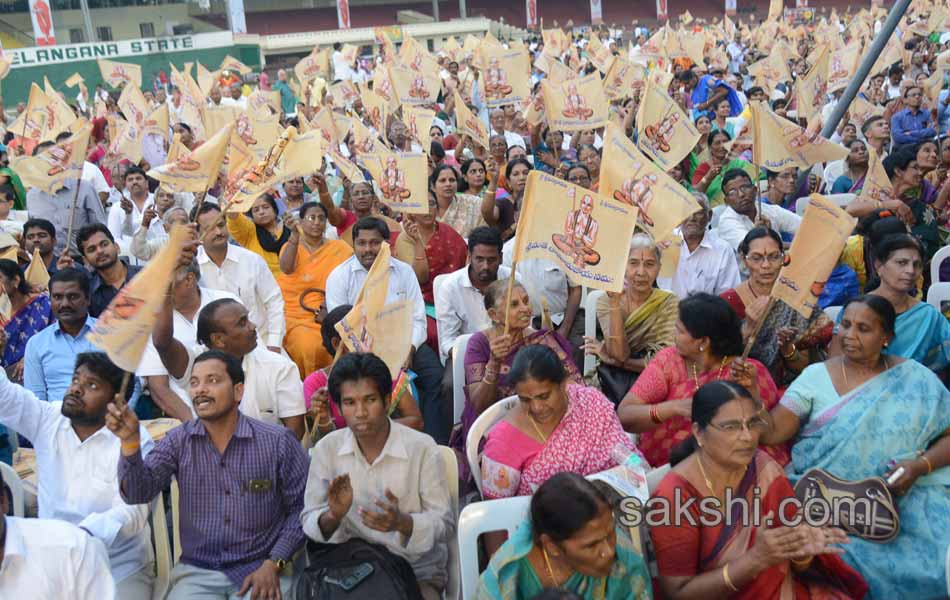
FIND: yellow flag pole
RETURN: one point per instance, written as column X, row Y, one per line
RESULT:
column 72, row 214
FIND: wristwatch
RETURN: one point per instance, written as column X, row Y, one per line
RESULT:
column 281, row 564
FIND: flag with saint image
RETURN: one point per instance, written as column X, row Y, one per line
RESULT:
column 628, row 176
column 50, row 168
column 194, row 170
column 575, row 104
column 576, row 229
column 402, row 179
column 779, row 144
column 117, row 74
column 665, row 132
column 124, row 328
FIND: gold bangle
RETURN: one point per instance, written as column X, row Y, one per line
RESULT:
column 930, row 467
column 792, row 353
column 804, row 562
column 725, row 577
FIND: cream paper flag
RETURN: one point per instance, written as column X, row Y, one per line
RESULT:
column 259, row 130
column 232, row 64
column 117, row 74
column 598, row 54
column 74, row 80
column 576, row 229
column 324, row 122
column 555, row 70
column 812, row 89
column 775, row 10
column 126, row 142
column 373, row 325
column 556, row 42
column 680, row 44
column 451, row 48
column 842, row 65
column 932, row 87
column 402, row 180
column 216, row 118
column 238, row 162
column 664, row 131
column 205, row 79
column 770, row 71
column 414, row 87
column 316, row 64
column 347, row 167
column 729, row 28
column 125, row 327
column 534, row 111
column 59, row 116
column 469, row 124
column 134, row 107
column 506, row 78
column 156, row 123
column 383, row 87
column 366, row 142
column 344, row 94
column 780, row 144
column 821, row 237
column 660, row 79
column 191, row 102
column 877, row 185
column 861, row 110
column 49, row 169
column 623, row 78
column 349, row 52
column 195, row 170
column 654, row 49
column 36, row 274
column 303, row 156
column 575, row 105
column 242, row 193
column 419, row 121
column 628, row 176
column 414, row 56
column 31, row 124
column 377, row 111
column 6, row 61
column 260, row 100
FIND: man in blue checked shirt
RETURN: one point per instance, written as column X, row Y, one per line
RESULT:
column 242, row 483
column 912, row 125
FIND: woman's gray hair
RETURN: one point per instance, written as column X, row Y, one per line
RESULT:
column 702, row 200
column 642, row 241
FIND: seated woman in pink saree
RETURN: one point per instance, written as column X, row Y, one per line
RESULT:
column 556, row 427
column 703, row 553
column 490, row 354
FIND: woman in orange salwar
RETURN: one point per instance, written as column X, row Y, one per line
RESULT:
column 306, row 260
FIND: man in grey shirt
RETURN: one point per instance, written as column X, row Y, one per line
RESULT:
column 56, row 207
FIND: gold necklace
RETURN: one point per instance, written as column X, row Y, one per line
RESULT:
column 705, row 477
column 722, row 366
column 544, row 438
column 547, row 563
column 844, row 372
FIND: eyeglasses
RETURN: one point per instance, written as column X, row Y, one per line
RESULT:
column 756, row 259
column 742, row 189
column 319, row 218
column 753, row 425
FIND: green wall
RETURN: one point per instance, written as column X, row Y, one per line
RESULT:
column 16, row 86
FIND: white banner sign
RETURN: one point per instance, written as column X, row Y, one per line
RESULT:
column 596, row 12
column 35, row 56
column 730, row 7
column 236, row 18
column 531, row 13
column 661, row 10
column 42, row 16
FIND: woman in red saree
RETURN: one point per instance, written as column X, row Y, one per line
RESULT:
column 431, row 248
column 708, row 554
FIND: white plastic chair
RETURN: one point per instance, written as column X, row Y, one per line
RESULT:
column 948, row 570
column 481, row 517
column 436, row 284
column 458, row 376
column 655, row 476
column 938, row 292
column 163, row 553
column 10, row 477
column 590, row 327
column 453, row 583
column 176, row 523
column 939, row 257
column 832, row 312
column 496, row 412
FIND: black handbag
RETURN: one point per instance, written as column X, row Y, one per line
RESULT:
column 355, row 569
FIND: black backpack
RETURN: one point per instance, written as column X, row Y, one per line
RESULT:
column 356, row 569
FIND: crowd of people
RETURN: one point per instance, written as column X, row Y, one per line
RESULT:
column 290, row 440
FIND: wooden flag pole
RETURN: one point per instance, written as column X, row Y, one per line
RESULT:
column 126, row 377
column 72, row 215
column 511, row 285
column 758, row 328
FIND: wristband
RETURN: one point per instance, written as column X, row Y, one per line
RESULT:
column 131, row 446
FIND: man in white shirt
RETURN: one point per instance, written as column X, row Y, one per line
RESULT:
column 76, row 457
column 188, row 298
column 497, row 121
column 235, row 98
column 46, row 559
column 273, row 391
column 707, row 264
column 742, row 215
column 341, row 70
column 343, row 287
column 459, row 303
column 126, row 216
column 91, row 174
column 234, row 269
column 377, row 480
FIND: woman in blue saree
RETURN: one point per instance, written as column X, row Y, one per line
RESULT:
column 922, row 332
column 867, row 414
column 570, row 542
